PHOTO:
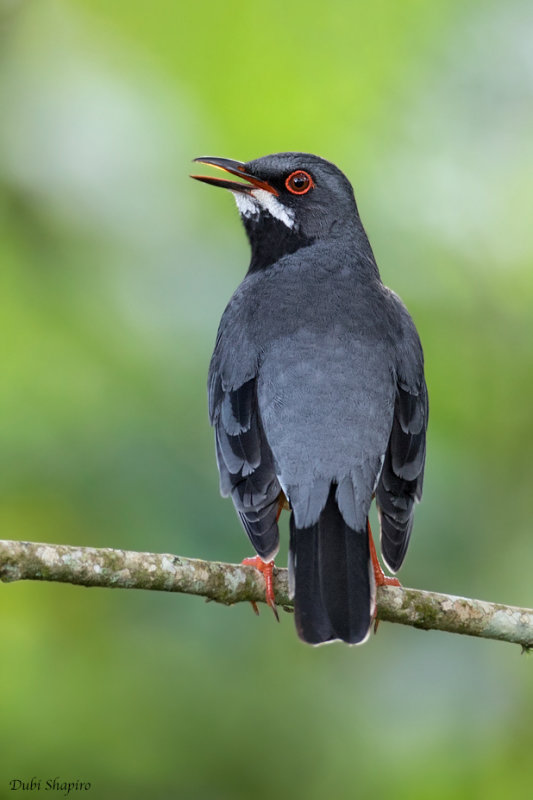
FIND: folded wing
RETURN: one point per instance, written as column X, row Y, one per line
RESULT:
column 245, row 461
column 400, row 483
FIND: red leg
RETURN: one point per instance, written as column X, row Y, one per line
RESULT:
column 381, row 578
column 379, row 575
column 282, row 503
column 267, row 570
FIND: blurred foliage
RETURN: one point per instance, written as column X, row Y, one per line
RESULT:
column 115, row 269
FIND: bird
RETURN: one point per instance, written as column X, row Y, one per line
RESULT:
column 317, row 393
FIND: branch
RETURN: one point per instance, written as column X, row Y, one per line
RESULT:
column 235, row 583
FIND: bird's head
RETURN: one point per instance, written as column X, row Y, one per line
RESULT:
column 287, row 201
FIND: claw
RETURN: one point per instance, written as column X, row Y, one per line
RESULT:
column 268, row 571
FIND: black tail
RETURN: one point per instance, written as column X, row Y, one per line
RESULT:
column 334, row 587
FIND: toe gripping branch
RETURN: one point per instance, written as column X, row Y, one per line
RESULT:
column 267, row 568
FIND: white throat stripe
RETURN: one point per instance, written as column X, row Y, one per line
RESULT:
column 271, row 204
column 250, row 205
column 247, row 206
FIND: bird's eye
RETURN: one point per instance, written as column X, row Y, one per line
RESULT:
column 299, row 182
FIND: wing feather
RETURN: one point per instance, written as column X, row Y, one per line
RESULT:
column 400, row 483
column 245, row 461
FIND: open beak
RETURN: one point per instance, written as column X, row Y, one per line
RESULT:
column 234, row 168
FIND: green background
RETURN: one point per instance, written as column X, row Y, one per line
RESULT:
column 115, row 268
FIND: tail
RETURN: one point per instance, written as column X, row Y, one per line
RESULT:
column 332, row 579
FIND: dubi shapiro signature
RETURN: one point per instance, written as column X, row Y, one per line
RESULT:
column 48, row 785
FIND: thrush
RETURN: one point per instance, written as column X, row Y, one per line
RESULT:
column 316, row 392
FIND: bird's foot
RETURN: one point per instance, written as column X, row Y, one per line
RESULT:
column 381, row 580
column 267, row 568
column 379, row 575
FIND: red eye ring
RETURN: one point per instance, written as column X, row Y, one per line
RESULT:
column 299, row 182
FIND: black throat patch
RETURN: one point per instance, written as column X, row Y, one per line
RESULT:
column 270, row 240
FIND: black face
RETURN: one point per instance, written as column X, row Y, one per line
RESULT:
column 289, row 201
